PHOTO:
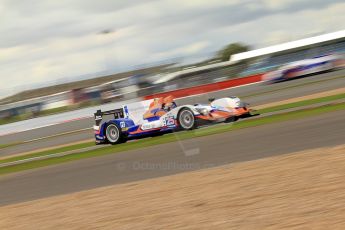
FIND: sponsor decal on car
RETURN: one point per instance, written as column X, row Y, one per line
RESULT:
column 122, row 124
column 147, row 126
column 169, row 121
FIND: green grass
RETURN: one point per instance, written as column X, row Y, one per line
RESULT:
column 27, row 116
column 302, row 103
column 169, row 138
column 48, row 152
column 3, row 146
column 46, row 112
column 12, row 119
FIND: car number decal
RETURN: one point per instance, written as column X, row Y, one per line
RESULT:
column 169, row 121
column 122, row 124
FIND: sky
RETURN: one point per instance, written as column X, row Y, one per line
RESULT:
column 47, row 42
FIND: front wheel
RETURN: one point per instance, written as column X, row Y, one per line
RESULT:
column 114, row 135
column 186, row 119
column 231, row 119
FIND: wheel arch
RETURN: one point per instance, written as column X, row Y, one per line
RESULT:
column 117, row 122
column 190, row 108
column 195, row 112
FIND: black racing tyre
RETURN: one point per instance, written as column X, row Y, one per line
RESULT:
column 186, row 119
column 113, row 134
column 231, row 119
column 157, row 134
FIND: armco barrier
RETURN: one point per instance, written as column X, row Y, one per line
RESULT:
column 208, row 87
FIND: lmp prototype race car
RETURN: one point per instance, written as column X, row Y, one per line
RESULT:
column 161, row 115
column 303, row 68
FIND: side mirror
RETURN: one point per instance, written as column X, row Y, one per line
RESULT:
column 211, row 99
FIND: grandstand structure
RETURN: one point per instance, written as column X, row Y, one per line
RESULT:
column 271, row 57
column 264, row 59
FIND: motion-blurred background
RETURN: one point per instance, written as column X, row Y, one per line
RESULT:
column 57, row 56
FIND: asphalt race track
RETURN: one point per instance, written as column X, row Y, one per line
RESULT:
column 167, row 159
column 265, row 94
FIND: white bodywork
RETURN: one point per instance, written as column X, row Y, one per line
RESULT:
column 227, row 102
column 167, row 119
column 136, row 110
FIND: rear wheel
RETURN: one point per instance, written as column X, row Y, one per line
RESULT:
column 114, row 135
column 186, row 119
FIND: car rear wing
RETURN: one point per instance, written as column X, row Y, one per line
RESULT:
column 118, row 113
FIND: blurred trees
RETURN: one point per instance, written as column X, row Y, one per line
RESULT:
column 233, row 48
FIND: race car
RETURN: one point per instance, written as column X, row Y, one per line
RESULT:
column 162, row 115
column 303, row 68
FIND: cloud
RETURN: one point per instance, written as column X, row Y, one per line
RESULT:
column 187, row 50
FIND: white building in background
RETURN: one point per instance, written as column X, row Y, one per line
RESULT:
column 290, row 46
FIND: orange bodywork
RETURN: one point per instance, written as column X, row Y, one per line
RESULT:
column 216, row 115
column 241, row 111
column 156, row 107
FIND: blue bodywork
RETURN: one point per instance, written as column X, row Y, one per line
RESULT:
column 131, row 130
column 123, row 123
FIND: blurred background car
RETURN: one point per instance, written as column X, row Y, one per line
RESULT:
column 304, row 67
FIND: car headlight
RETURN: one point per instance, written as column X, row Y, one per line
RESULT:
column 202, row 111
